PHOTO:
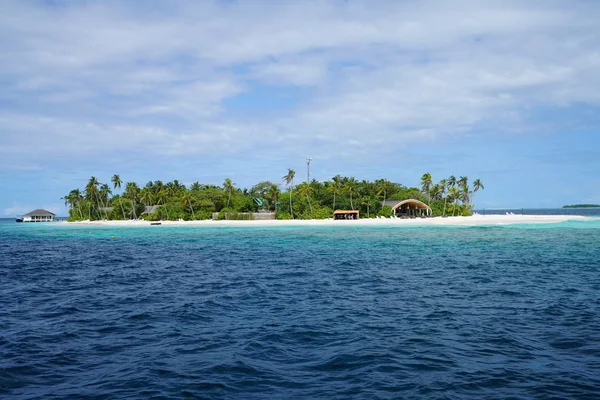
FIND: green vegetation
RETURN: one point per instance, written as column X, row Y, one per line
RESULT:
column 315, row 200
column 582, row 206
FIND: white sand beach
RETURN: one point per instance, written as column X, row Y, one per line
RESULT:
column 475, row 220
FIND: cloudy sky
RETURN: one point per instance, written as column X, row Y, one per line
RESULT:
column 505, row 91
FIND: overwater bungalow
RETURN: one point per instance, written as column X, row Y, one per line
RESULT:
column 38, row 215
column 410, row 208
column 345, row 214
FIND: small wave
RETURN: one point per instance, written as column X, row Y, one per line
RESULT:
column 484, row 312
column 567, row 344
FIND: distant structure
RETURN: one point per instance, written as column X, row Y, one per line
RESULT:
column 245, row 216
column 346, row 214
column 410, row 208
column 308, row 160
column 38, row 215
column 150, row 209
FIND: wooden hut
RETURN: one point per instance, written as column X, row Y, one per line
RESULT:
column 345, row 214
column 409, row 208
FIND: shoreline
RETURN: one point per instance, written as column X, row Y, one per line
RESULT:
column 475, row 220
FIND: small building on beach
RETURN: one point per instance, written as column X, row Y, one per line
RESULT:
column 410, row 208
column 244, row 216
column 345, row 214
column 39, row 215
column 150, row 209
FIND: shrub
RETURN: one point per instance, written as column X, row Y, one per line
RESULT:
column 386, row 211
column 231, row 214
column 283, row 215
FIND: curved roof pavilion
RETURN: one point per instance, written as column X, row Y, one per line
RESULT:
column 409, row 208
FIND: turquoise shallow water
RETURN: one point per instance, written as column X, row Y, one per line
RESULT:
column 327, row 312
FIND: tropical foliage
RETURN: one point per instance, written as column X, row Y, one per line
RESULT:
column 315, row 200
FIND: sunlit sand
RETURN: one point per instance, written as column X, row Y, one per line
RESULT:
column 437, row 221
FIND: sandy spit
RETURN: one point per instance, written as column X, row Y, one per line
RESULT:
column 474, row 220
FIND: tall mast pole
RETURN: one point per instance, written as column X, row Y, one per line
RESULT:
column 308, row 160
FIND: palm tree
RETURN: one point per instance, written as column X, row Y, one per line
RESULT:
column 436, row 191
column 426, row 184
column 146, row 196
column 465, row 197
column 171, row 190
column 273, row 195
column 178, row 186
column 73, row 200
column 132, row 191
column 443, row 187
column 91, row 193
column 452, row 181
column 116, row 181
column 335, row 187
column 187, row 201
column 76, row 199
column 463, row 184
column 350, row 187
column 157, row 186
column 383, row 186
column 306, row 190
column 104, row 193
column 68, row 200
column 368, row 202
column 289, row 180
column 228, row 186
column 477, row 185
column 161, row 198
column 453, row 194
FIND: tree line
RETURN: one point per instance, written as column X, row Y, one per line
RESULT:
column 306, row 200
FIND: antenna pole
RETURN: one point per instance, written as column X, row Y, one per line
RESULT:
column 308, row 160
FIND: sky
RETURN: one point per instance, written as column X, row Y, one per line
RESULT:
column 500, row 90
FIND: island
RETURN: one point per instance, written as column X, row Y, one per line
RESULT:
column 582, row 206
column 341, row 197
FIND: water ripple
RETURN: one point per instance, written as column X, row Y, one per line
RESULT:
column 432, row 313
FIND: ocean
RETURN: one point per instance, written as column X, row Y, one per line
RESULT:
column 493, row 312
column 586, row 212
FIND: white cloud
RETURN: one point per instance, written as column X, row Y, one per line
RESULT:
column 17, row 210
column 91, row 78
column 301, row 71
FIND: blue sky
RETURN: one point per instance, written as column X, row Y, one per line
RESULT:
column 504, row 91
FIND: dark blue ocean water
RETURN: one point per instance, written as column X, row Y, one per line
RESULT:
column 329, row 312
